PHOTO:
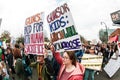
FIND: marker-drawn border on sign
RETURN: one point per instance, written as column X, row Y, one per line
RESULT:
column 62, row 29
column 33, row 34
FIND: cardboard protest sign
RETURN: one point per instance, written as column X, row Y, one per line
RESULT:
column 33, row 34
column 92, row 61
column 62, row 29
column 112, row 66
column 12, row 42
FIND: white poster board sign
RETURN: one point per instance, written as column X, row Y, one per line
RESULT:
column 62, row 29
column 33, row 34
column 92, row 61
column 112, row 66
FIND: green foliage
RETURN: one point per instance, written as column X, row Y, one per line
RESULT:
column 20, row 39
column 5, row 36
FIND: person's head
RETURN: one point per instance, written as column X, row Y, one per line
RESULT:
column 17, row 46
column 9, row 50
column 69, row 58
column 92, row 50
column 40, row 58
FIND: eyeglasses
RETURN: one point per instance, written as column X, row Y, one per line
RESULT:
column 65, row 58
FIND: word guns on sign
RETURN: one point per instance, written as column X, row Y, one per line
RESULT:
column 33, row 34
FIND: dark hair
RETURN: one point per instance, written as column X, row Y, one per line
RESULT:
column 16, row 46
column 72, row 56
column 11, row 51
column 17, row 53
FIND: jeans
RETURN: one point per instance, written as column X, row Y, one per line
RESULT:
column 89, row 74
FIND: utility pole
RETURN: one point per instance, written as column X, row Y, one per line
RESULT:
column 106, row 30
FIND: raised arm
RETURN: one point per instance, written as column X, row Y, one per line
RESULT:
column 56, row 55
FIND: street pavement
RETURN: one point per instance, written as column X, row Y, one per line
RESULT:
column 103, row 76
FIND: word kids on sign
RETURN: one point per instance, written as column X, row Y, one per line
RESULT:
column 62, row 29
column 33, row 34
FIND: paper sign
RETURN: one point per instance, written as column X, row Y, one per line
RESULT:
column 33, row 34
column 62, row 29
column 112, row 66
column 92, row 61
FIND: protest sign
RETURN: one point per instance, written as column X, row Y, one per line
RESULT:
column 62, row 29
column 112, row 66
column 12, row 42
column 91, row 61
column 33, row 34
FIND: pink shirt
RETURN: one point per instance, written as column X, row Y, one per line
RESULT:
column 65, row 75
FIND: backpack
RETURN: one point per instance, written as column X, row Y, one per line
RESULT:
column 27, row 68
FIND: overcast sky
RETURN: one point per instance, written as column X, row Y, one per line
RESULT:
column 87, row 14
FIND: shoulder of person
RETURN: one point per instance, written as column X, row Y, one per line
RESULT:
column 82, row 67
column 76, row 77
column 18, row 60
column 34, row 64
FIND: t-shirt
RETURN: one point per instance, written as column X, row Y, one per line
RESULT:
column 65, row 75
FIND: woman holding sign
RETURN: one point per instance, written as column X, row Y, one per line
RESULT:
column 89, row 73
column 69, row 68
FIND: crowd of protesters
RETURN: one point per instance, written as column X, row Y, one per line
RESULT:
column 52, row 65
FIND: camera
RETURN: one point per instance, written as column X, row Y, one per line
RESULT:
column 47, row 47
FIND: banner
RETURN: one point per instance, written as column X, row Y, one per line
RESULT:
column 112, row 66
column 62, row 29
column 91, row 61
column 33, row 34
column 115, row 16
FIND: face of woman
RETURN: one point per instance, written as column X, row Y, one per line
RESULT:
column 66, row 59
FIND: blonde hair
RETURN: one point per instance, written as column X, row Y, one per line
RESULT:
column 3, row 64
